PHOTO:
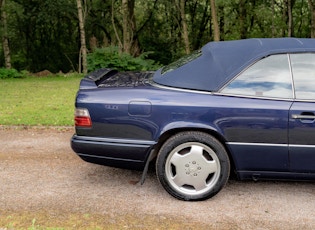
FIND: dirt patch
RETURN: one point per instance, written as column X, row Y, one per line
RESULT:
column 43, row 181
column 43, row 73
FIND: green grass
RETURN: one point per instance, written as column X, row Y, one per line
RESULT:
column 47, row 101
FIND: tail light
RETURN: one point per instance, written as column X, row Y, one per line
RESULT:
column 82, row 118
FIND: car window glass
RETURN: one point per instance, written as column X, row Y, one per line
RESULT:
column 269, row 77
column 303, row 69
column 182, row 61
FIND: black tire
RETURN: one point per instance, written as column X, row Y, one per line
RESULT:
column 192, row 166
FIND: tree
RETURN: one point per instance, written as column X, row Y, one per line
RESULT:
column 273, row 29
column 215, row 23
column 311, row 4
column 130, row 36
column 83, row 49
column 44, row 35
column 48, row 34
column 242, row 19
column 184, row 25
column 290, row 18
column 5, row 40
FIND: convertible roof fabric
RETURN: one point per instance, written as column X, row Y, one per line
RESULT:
column 221, row 61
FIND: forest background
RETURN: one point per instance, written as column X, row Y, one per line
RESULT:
column 82, row 35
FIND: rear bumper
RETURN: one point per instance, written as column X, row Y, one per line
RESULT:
column 120, row 153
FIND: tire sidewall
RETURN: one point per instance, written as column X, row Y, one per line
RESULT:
column 205, row 139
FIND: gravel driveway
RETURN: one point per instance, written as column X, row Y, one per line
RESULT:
column 40, row 173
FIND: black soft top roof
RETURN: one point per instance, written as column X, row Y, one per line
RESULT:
column 219, row 62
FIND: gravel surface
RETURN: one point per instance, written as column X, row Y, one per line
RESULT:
column 40, row 173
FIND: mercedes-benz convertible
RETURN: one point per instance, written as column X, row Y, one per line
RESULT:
column 245, row 107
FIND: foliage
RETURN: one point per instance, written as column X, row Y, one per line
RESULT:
column 42, row 34
column 45, row 35
column 110, row 57
column 11, row 73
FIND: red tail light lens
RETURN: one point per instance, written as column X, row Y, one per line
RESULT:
column 82, row 118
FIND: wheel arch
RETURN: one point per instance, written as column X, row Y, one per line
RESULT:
column 214, row 133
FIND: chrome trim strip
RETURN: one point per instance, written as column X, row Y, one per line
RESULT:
column 252, row 97
column 179, row 89
column 291, row 74
column 272, row 145
column 113, row 140
column 304, row 100
column 257, row 144
column 302, row 146
column 99, row 143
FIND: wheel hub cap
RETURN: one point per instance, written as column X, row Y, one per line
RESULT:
column 192, row 168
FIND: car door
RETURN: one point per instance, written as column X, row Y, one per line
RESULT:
column 257, row 126
column 302, row 114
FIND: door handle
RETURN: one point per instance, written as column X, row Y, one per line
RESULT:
column 301, row 116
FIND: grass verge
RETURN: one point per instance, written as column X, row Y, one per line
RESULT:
column 38, row 100
column 78, row 221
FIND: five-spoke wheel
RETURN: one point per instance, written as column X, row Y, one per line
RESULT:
column 192, row 166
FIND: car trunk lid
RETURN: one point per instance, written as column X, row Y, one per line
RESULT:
column 105, row 78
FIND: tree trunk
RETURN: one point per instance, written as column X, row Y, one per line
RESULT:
column 221, row 22
column 130, row 39
column 83, row 49
column 184, row 25
column 242, row 19
column 215, row 23
column 127, row 33
column 312, row 8
column 5, row 40
column 121, row 47
column 290, row 19
column 273, row 29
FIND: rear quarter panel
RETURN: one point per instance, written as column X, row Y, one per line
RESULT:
column 113, row 112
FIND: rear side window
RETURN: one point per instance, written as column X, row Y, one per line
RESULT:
column 270, row 77
column 303, row 69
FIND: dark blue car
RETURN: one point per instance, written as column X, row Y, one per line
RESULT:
column 243, row 106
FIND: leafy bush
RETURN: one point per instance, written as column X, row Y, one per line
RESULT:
column 110, row 57
column 11, row 73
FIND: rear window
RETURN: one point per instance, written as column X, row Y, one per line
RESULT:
column 182, row 61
